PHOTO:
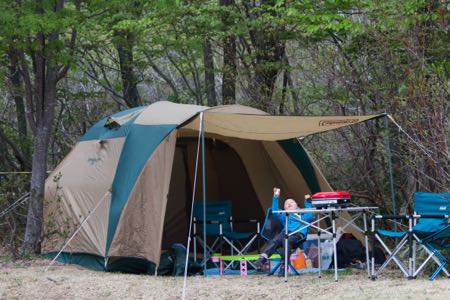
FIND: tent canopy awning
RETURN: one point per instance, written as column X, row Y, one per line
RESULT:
column 271, row 128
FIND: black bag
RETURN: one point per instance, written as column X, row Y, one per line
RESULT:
column 172, row 262
column 350, row 251
column 378, row 254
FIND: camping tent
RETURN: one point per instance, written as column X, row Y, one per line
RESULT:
column 132, row 175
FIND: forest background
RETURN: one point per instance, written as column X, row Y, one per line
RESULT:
column 66, row 64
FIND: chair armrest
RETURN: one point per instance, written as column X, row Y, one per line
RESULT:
column 207, row 222
column 391, row 217
column 251, row 221
column 429, row 216
column 245, row 221
column 415, row 216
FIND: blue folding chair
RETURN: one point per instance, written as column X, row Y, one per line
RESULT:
column 270, row 229
column 219, row 225
column 429, row 228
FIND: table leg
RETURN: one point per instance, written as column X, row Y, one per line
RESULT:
column 413, row 271
column 372, row 275
column 319, row 254
column 286, row 236
column 333, row 221
column 410, row 243
column 366, row 239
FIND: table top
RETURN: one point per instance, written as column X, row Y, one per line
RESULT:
column 327, row 210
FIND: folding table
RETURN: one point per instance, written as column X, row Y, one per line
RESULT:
column 331, row 213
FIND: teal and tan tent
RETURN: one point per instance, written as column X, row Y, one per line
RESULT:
column 125, row 188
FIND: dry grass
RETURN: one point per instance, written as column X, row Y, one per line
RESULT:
column 27, row 280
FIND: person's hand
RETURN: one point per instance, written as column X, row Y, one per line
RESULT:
column 307, row 196
column 276, row 192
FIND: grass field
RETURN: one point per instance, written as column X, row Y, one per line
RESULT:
column 26, row 279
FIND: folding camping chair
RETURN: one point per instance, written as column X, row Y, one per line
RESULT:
column 429, row 228
column 219, row 225
column 271, row 228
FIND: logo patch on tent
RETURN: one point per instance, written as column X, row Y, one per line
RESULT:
column 337, row 122
column 93, row 160
column 443, row 208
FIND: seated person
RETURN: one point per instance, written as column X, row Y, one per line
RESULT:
column 294, row 224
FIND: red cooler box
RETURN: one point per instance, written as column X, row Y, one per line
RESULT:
column 333, row 199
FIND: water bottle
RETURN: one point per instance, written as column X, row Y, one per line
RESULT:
column 327, row 253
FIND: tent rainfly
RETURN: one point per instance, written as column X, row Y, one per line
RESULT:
column 126, row 186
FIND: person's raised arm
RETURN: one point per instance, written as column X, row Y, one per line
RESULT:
column 275, row 199
column 308, row 217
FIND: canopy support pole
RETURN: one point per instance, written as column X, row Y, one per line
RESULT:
column 186, row 263
column 202, row 120
column 391, row 175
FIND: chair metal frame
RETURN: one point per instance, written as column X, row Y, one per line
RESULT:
column 296, row 246
column 282, row 261
column 221, row 239
column 411, row 239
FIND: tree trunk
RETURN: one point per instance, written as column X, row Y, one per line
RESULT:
column 229, row 62
column 129, row 81
column 33, row 230
column 40, row 92
column 295, row 99
column 270, row 50
column 269, row 58
column 210, row 85
column 283, row 95
column 17, row 91
column 45, row 83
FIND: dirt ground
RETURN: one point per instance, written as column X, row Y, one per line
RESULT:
column 27, row 280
